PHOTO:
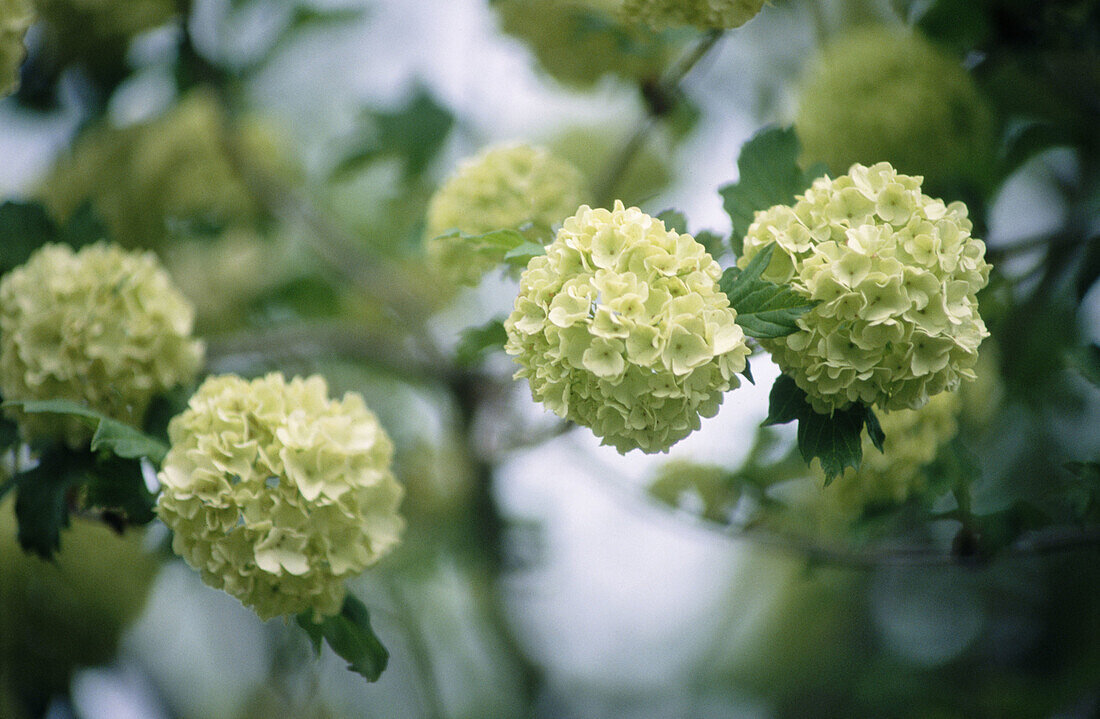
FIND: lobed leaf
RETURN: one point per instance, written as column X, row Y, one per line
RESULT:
column 765, row 310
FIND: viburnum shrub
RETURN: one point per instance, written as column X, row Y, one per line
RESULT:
column 102, row 326
column 621, row 327
column 504, row 186
column 894, row 273
column 278, row 494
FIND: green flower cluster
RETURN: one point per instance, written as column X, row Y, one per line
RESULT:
column 705, row 14
column 913, row 438
column 170, row 177
column 277, row 494
column 579, row 41
column 15, row 17
column 621, row 327
column 895, row 274
column 102, row 326
column 881, row 95
column 503, row 187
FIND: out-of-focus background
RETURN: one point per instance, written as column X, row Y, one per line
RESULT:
column 543, row 575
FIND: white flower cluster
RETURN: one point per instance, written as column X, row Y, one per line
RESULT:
column 895, row 274
column 621, row 327
column 277, row 494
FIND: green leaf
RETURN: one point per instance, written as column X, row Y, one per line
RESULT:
column 414, row 133
column 1086, row 360
column 41, row 502
column 834, row 439
column 1082, row 493
column 24, row 227
column 747, row 372
column 118, row 484
column 674, row 220
column 120, row 439
column 765, row 310
column 714, row 243
column 521, row 255
column 350, row 635
column 476, row 342
column 84, row 227
column 768, row 174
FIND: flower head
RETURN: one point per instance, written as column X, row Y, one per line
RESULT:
column 878, row 94
column 706, row 14
column 895, row 274
column 15, row 17
column 621, row 327
column 503, row 187
column 101, row 326
column 277, row 494
column 165, row 179
column 579, row 41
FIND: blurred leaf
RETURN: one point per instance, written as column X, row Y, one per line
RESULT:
column 1083, row 490
column 414, row 133
column 350, row 635
column 305, row 296
column 41, row 502
column 768, row 175
column 476, row 342
column 960, row 24
column 520, row 256
column 84, row 227
column 1086, row 360
column 110, row 434
column 674, row 220
column 24, row 227
column 116, row 483
column 834, row 439
column 765, row 310
column 1090, row 268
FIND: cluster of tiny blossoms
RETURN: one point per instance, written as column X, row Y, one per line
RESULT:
column 706, row 14
column 277, row 494
column 15, row 17
column 102, row 326
column 894, row 273
column 913, row 438
column 503, row 187
column 881, row 95
column 621, row 327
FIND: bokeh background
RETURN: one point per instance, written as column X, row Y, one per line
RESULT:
column 540, row 577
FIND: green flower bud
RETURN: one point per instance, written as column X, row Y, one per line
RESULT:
column 913, row 438
column 621, row 327
column 895, row 274
column 102, row 326
column 170, row 177
column 579, row 41
column 15, row 17
column 503, row 187
column 878, row 94
column 705, row 14
column 277, row 494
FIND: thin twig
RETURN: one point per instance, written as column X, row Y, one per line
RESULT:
column 667, row 88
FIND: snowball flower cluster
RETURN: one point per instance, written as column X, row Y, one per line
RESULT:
column 277, row 494
column 913, row 438
column 621, row 327
column 165, row 179
column 15, row 17
column 503, row 187
column 881, row 95
column 706, row 14
column 894, row 273
column 102, row 326
column 579, row 41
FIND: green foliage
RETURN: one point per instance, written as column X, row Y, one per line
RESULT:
column 26, row 226
column 833, row 439
column 41, row 501
column 1082, row 491
column 477, row 342
column 765, row 310
column 350, row 635
column 111, row 435
column 414, row 133
column 768, row 175
column 674, row 220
